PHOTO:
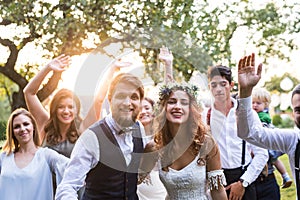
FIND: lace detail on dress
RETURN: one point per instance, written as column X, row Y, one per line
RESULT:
column 216, row 178
column 188, row 183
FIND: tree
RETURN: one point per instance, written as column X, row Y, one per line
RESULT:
column 274, row 84
column 203, row 32
column 6, row 89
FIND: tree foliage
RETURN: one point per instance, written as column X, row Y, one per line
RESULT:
column 274, row 84
column 198, row 32
column 6, row 89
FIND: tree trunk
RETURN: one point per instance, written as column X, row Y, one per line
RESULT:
column 18, row 100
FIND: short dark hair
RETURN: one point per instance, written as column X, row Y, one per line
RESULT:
column 219, row 70
column 296, row 90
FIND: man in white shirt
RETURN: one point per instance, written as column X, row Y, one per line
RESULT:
column 248, row 123
column 240, row 168
column 106, row 157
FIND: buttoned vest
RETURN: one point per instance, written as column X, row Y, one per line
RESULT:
column 112, row 179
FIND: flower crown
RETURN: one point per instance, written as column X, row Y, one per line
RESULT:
column 165, row 90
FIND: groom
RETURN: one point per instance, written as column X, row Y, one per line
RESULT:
column 106, row 156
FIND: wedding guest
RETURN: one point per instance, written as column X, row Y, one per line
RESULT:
column 26, row 168
column 153, row 189
column 249, row 125
column 240, row 168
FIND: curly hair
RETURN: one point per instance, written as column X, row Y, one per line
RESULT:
column 196, row 129
column 51, row 129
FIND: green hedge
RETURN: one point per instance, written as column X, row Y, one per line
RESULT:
column 282, row 123
column 276, row 120
column 287, row 123
column 2, row 130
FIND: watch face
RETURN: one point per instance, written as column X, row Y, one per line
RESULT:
column 245, row 184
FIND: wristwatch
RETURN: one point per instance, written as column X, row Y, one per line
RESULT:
column 244, row 183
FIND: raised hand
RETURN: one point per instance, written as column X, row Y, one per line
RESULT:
column 165, row 56
column 60, row 63
column 120, row 64
column 248, row 77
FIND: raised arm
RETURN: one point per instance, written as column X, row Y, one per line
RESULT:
column 248, row 124
column 248, row 77
column 34, row 105
column 166, row 57
column 94, row 112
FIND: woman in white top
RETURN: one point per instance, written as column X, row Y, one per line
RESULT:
column 152, row 189
column 26, row 168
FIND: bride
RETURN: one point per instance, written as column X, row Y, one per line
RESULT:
column 189, row 158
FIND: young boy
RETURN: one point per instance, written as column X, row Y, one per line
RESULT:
column 260, row 103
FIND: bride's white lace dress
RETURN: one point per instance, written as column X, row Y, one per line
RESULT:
column 187, row 183
column 192, row 182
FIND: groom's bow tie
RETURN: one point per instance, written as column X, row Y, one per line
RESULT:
column 126, row 130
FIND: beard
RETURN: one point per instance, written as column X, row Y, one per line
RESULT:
column 126, row 121
column 297, row 124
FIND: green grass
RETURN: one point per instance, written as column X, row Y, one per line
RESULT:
column 287, row 193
